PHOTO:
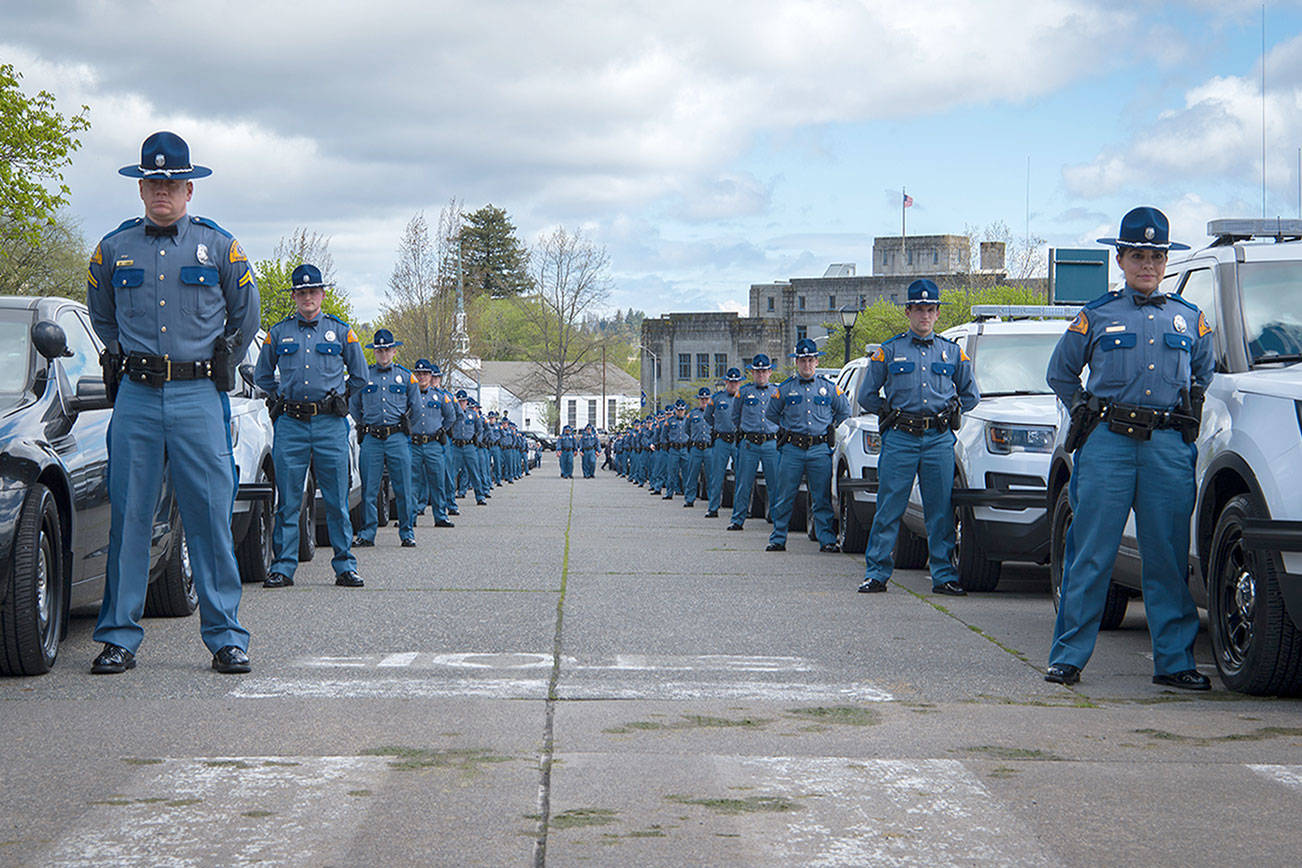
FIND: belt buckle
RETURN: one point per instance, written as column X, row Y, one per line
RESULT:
column 167, row 369
column 314, row 411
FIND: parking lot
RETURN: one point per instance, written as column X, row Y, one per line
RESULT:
column 583, row 674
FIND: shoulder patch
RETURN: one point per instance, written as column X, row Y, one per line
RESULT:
column 352, row 336
column 962, row 355
column 1203, row 328
column 204, row 221
column 879, row 355
column 1103, row 299
column 97, row 258
column 1080, row 325
column 237, row 255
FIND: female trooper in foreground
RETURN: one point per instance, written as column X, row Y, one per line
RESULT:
column 929, row 384
column 1150, row 360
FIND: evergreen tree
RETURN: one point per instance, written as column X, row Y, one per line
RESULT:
column 494, row 260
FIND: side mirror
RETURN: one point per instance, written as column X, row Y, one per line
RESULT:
column 50, row 340
column 92, row 394
column 246, row 374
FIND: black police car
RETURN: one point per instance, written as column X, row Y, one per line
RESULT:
column 54, row 502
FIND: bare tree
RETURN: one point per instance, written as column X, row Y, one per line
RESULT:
column 420, row 304
column 302, row 246
column 1023, row 255
column 570, row 278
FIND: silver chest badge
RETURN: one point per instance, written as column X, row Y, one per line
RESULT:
column 1180, row 325
column 944, row 355
column 330, row 335
column 822, row 390
column 397, row 378
column 201, row 254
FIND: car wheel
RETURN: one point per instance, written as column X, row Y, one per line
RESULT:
column 799, row 513
column 758, row 502
column 382, row 502
column 1258, row 650
column 31, row 618
column 850, row 533
column 911, row 550
column 1114, row 606
column 725, row 499
column 253, row 553
column 976, row 572
column 307, row 522
column 172, row 594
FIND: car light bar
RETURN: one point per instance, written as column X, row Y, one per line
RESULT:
column 1050, row 311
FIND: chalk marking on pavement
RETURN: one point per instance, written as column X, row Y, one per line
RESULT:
column 404, row 659
column 880, row 812
column 1289, row 776
column 537, row 660
column 195, row 811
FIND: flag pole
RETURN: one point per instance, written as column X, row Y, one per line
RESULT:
column 904, row 197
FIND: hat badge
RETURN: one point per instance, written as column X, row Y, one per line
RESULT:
column 1149, row 232
column 159, row 160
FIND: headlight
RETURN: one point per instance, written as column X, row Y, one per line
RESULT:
column 1007, row 439
column 872, row 442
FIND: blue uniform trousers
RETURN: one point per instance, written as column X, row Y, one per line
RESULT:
column 395, row 452
column 321, row 441
column 697, row 466
column 188, row 421
column 659, row 459
column 467, row 470
column 930, row 458
column 495, row 457
column 485, row 469
column 815, row 466
column 721, row 454
column 589, row 462
column 427, row 476
column 1113, row 475
column 750, row 456
column 675, row 462
column 567, row 463
column 449, row 476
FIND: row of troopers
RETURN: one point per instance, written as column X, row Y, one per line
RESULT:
column 586, row 444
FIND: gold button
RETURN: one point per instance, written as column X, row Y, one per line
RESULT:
column 160, row 277
column 162, row 302
column 1148, row 391
column 1150, row 367
column 1150, row 340
column 164, row 328
column 201, row 278
column 162, row 253
column 1130, row 430
column 1150, row 316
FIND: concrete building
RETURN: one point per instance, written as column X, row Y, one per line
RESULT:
column 690, row 350
column 519, row 390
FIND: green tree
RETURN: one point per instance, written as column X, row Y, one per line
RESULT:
column 36, row 142
column 494, row 260
column 54, row 265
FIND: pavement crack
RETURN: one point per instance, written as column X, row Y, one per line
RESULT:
column 547, row 753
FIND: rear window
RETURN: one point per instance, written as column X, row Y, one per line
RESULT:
column 1272, row 309
column 15, row 352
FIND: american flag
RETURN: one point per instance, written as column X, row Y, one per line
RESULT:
column 908, row 200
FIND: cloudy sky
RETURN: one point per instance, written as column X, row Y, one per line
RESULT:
column 708, row 144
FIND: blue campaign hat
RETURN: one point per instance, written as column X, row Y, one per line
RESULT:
column 761, row 362
column 383, row 341
column 306, row 277
column 703, row 392
column 733, row 375
column 1144, row 227
column 680, row 404
column 165, row 155
column 805, row 349
column 461, row 395
column 923, row 291
column 422, row 366
column 567, row 430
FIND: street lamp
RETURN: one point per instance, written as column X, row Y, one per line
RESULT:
column 848, row 316
column 655, row 380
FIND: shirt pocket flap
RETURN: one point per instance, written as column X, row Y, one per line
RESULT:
column 284, row 348
column 945, row 368
column 795, row 399
column 905, row 367
column 200, row 275
column 751, row 400
column 1123, row 340
column 372, row 387
column 128, row 278
column 1179, row 342
column 329, row 349
column 397, row 388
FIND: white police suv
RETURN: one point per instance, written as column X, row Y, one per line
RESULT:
column 1245, row 558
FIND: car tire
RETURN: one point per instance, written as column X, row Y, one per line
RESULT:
column 253, row 553
column 1258, row 649
column 758, row 502
column 725, row 498
column 382, row 502
column 1114, row 607
column 307, row 522
column 911, row 550
column 976, row 572
column 799, row 513
column 850, row 533
column 172, row 594
column 31, row 619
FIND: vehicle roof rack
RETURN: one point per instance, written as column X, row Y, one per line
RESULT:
column 983, row 312
column 1232, row 230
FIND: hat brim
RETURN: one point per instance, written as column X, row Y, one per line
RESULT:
column 1119, row 244
column 188, row 175
column 923, row 301
column 309, row 286
column 804, row 355
column 392, row 346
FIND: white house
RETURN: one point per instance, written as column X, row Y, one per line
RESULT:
column 519, row 390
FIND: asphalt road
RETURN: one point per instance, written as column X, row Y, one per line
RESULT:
column 581, row 674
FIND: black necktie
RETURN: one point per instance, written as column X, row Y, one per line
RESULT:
column 1157, row 298
column 160, row 231
column 922, row 342
column 307, row 325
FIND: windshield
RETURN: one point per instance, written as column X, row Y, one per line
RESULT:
column 1013, row 363
column 15, row 351
column 1272, row 308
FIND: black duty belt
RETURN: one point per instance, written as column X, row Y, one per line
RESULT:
column 758, row 439
column 918, row 423
column 805, row 441
column 1138, row 423
column 699, row 445
column 726, row 436
column 304, row 410
column 678, row 447
column 442, row 438
column 422, row 439
column 380, row 431
column 157, row 370
column 457, row 442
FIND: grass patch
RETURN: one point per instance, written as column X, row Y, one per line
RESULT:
column 183, row 803
column 1003, row 772
column 141, row 761
column 113, row 802
column 1261, row 733
column 414, row 758
column 690, row 721
column 1074, row 700
column 226, row 764
column 359, row 792
column 748, row 805
column 1011, row 753
column 576, row 818
column 258, row 815
column 845, row 715
column 280, row 764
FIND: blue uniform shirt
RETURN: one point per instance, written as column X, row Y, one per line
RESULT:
column 920, row 376
column 172, row 296
column 433, row 412
column 464, row 426
column 675, row 430
column 808, row 406
column 388, row 394
column 588, row 440
column 718, row 413
column 749, row 408
column 565, row 443
column 698, row 430
column 305, row 361
column 1137, row 354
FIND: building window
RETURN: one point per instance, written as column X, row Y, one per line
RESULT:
column 592, row 412
column 684, row 366
column 802, row 332
column 573, row 413
column 611, row 416
column 935, row 257
column 863, row 301
column 702, row 365
column 720, row 364
column 658, row 374
column 800, row 302
column 908, row 257
column 831, row 302
column 770, row 302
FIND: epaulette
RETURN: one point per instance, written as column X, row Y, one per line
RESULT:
column 288, row 318
column 1103, row 299
column 126, row 224
column 784, row 382
column 895, row 338
column 1189, row 304
column 336, row 319
column 400, row 367
column 204, row 221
